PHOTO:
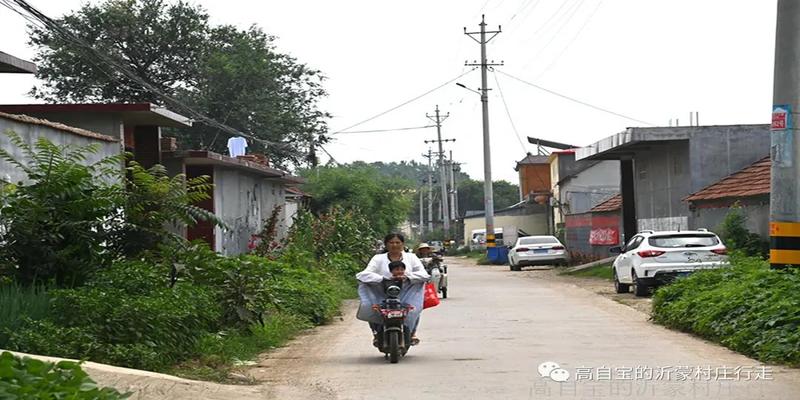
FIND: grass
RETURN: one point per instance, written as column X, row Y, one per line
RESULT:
column 221, row 352
column 600, row 272
column 17, row 303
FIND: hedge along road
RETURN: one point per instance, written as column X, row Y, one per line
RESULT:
column 488, row 340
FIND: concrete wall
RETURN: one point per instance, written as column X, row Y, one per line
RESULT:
column 244, row 202
column 717, row 153
column 106, row 123
column 579, row 229
column 30, row 133
column 532, row 220
column 590, row 187
column 662, row 176
column 668, row 171
column 756, row 210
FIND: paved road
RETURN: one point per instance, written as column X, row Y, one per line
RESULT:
column 489, row 338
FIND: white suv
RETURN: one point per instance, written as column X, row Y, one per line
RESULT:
column 651, row 259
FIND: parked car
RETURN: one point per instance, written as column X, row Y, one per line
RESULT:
column 537, row 250
column 651, row 258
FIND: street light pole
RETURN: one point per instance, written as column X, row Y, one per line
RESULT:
column 488, row 195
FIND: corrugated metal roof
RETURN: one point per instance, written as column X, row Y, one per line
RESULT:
column 752, row 180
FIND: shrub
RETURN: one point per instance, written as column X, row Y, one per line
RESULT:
column 127, row 315
column 749, row 308
column 26, row 378
column 734, row 233
column 18, row 303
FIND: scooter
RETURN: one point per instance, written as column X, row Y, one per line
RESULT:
column 394, row 339
column 437, row 269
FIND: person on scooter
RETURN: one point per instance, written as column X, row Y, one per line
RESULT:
column 378, row 269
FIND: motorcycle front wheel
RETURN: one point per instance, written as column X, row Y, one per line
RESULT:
column 394, row 347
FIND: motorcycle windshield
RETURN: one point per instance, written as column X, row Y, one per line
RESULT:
column 371, row 293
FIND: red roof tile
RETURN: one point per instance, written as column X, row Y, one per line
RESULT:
column 612, row 204
column 752, row 180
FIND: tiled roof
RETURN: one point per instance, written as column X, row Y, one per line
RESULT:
column 55, row 125
column 612, row 204
column 752, row 180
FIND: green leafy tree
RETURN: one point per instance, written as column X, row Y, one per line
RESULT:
column 236, row 77
column 72, row 218
column 734, row 233
column 470, row 195
column 385, row 201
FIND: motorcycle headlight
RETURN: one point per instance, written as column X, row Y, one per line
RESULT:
column 393, row 291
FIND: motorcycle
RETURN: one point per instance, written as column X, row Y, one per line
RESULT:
column 394, row 339
column 438, row 272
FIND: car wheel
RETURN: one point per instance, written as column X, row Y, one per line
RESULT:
column 639, row 289
column 620, row 287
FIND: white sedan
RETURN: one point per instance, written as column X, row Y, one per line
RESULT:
column 537, row 250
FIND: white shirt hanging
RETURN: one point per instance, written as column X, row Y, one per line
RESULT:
column 237, row 146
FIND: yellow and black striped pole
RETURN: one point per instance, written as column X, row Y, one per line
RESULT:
column 784, row 207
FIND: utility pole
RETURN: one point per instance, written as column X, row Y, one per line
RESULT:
column 421, row 217
column 453, row 214
column 438, row 119
column 784, row 210
column 430, row 191
column 488, row 194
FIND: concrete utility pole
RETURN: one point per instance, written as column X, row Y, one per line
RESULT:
column 453, row 213
column 784, row 204
column 421, row 216
column 488, row 194
column 438, row 119
column 430, row 191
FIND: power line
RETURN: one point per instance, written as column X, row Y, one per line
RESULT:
column 576, row 100
column 572, row 40
column 513, row 126
column 402, row 104
column 70, row 37
column 389, row 130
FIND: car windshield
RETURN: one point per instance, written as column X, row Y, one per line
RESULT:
column 674, row 241
column 538, row 240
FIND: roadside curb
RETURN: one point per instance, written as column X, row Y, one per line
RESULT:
column 591, row 264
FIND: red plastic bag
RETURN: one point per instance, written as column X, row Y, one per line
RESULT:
column 431, row 297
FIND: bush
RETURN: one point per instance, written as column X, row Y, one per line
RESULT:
column 748, row 307
column 127, row 315
column 734, row 233
column 18, row 303
column 27, row 378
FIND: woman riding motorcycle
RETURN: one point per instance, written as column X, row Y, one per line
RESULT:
column 377, row 271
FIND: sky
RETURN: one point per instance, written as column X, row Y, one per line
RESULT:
column 646, row 62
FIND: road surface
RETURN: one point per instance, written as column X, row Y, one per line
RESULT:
column 489, row 339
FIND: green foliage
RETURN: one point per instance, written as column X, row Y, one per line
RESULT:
column 54, row 227
column 734, row 233
column 335, row 231
column 126, row 315
column 235, row 76
column 470, row 195
column 748, row 307
column 28, row 378
column 152, row 201
column 18, row 302
column 361, row 190
column 72, row 219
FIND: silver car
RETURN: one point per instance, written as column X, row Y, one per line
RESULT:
column 537, row 250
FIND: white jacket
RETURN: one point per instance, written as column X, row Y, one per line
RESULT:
column 378, row 269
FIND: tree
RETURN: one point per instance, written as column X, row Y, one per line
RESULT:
column 385, row 201
column 233, row 76
column 470, row 195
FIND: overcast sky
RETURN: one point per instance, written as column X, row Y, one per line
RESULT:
column 648, row 60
